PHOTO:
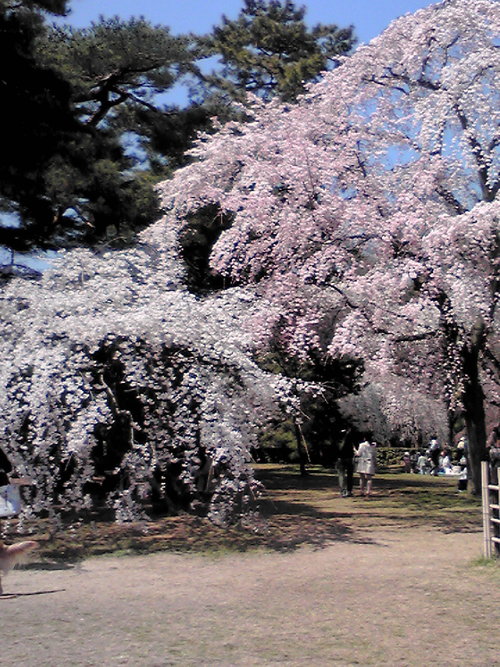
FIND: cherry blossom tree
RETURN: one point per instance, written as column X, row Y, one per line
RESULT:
column 116, row 379
column 408, row 415
column 373, row 205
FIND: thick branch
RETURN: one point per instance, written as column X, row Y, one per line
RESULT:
column 105, row 106
column 477, row 151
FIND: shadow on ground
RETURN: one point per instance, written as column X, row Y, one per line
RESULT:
column 46, row 565
column 294, row 511
column 399, row 501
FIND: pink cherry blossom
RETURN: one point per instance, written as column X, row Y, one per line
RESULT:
column 373, row 203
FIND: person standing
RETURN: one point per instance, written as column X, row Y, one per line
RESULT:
column 462, row 477
column 5, row 468
column 345, row 464
column 406, row 461
column 366, row 455
column 493, row 447
column 7, row 501
column 10, row 498
column 422, row 466
column 434, row 454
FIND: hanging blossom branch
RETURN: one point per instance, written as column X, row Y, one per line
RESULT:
column 103, row 385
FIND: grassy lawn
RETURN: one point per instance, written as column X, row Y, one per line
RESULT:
column 294, row 511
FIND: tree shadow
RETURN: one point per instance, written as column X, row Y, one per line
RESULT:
column 45, row 565
column 290, row 525
column 400, row 501
column 10, row 596
column 293, row 512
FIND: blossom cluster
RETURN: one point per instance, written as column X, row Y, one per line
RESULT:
column 374, row 202
column 116, row 380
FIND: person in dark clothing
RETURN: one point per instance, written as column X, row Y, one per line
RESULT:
column 5, row 468
column 10, row 500
column 493, row 447
column 434, row 454
column 462, row 478
column 345, row 464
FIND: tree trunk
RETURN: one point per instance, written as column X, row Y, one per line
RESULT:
column 474, row 415
column 451, row 427
column 301, row 449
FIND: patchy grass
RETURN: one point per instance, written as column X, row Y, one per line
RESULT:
column 294, row 511
column 399, row 500
column 491, row 566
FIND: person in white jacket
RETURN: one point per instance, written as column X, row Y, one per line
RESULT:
column 366, row 456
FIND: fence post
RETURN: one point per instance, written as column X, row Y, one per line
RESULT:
column 485, row 478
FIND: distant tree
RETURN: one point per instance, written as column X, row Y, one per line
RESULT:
column 317, row 425
column 271, row 52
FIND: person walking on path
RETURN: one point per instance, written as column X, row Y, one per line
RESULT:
column 366, row 455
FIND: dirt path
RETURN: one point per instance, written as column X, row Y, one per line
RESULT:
column 405, row 597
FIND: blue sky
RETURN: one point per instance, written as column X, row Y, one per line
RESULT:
column 369, row 17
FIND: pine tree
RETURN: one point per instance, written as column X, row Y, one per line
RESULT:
column 74, row 101
column 270, row 51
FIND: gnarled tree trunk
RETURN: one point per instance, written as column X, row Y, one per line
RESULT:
column 474, row 415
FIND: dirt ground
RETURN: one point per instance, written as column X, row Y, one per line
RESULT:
column 387, row 596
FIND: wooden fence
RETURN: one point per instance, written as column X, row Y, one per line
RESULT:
column 491, row 510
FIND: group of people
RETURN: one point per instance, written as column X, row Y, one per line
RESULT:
column 363, row 459
column 437, row 460
column 434, row 460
